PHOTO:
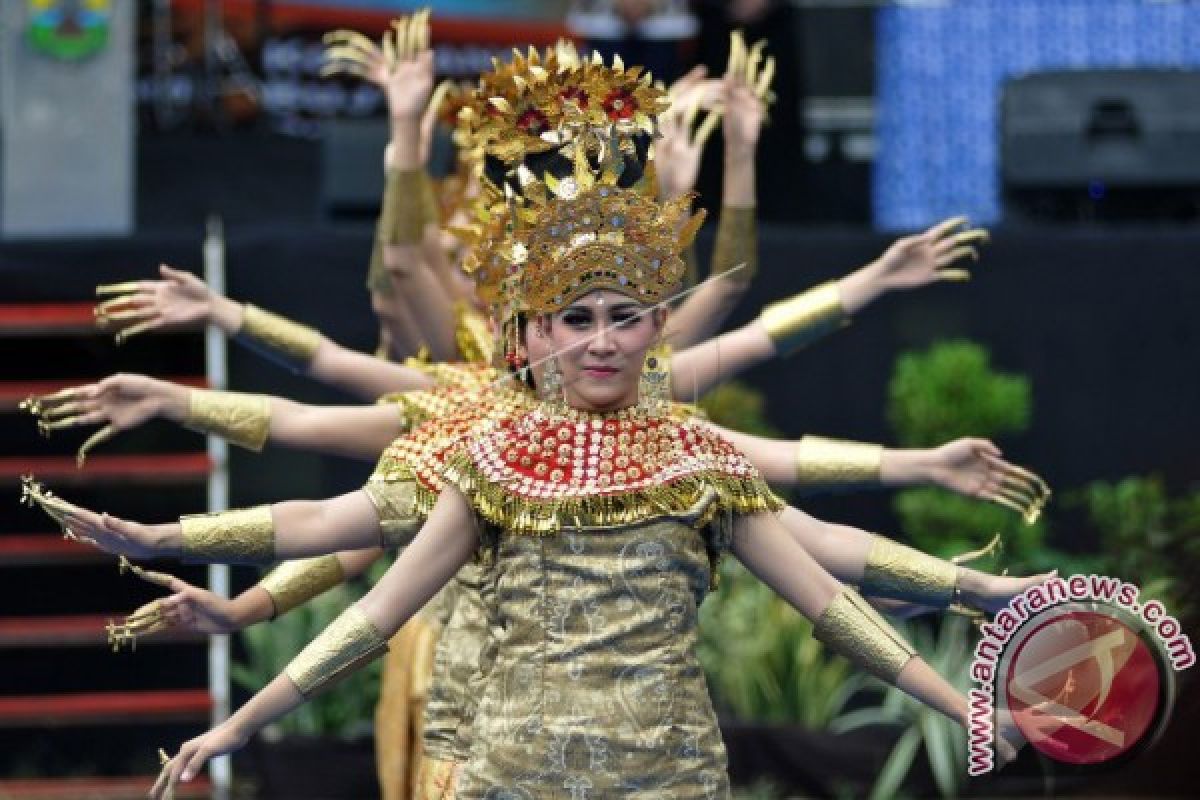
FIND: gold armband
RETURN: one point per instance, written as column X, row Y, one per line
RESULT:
column 349, row 642
column 821, row 461
column 396, row 503
column 902, row 573
column 855, row 630
column 242, row 536
column 430, row 210
column 279, row 338
column 244, row 419
column 293, row 583
column 691, row 266
column 402, row 218
column 378, row 280
column 736, row 244
column 801, row 320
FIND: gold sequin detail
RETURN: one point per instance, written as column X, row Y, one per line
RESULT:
column 294, row 583
column 350, row 641
column 296, row 344
column 241, row 536
column 853, row 629
column 900, row 572
column 243, row 419
column 801, row 320
column 822, row 462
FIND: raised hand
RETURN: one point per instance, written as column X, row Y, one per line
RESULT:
column 187, row 608
column 401, row 65
column 678, row 152
column 930, row 257
column 180, row 301
column 103, row 531
column 976, row 468
column 747, row 92
column 120, row 402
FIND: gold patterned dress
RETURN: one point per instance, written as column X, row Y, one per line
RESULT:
column 605, row 532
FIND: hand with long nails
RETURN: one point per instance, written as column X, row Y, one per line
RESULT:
column 180, row 301
column 932, row 256
column 402, row 65
column 678, row 151
column 187, row 608
column 103, row 531
column 977, row 468
column 119, row 402
column 191, row 758
column 747, row 92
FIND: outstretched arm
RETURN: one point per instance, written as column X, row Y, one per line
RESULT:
column 361, row 633
column 786, row 326
column 181, row 301
column 967, row 466
column 839, row 617
column 122, row 402
column 193, row 608
column 380, row 514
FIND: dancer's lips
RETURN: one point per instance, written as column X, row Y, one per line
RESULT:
column 600, row 371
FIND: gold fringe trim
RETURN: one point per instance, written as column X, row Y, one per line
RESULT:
column 523, row 515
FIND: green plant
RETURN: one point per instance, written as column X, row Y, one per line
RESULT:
column 944, row 393
column 761, row 659
column 346, row 710
column 947, row 651
column 1146, row 536
column 951, row 391
column 759, row 655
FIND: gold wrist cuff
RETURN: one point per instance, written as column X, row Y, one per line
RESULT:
column 402, row 218
column 396, row 503
column 278, row 337
column 244, row 419
column 242, row 536
column 350, row 642
column 430, row 210
column 902, row 573
column 821, row 461
column 736, row 243
column 801, row 320
column 294, row 583
column 855, row 630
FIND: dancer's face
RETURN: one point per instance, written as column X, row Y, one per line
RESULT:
column 600, row 341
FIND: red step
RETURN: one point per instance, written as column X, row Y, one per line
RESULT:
column 75, row 631
column 40, row 549
column 41, row 319
column 130, row 788
column 13, row 392
column 105, row 708
column 173, row 468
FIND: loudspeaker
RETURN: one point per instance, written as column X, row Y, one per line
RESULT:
column 1101, row 144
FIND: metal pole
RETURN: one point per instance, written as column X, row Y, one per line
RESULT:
column 216, row 368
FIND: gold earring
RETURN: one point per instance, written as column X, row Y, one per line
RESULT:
column 654, row 384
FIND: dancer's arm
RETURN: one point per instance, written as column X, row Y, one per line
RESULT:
column 122, row 402
column 182, row 301
column 969, row 467
column 735, row 250
column 786, row 326
column 840, row 617
column 380, row 514
column 359, row 635
column 196, row 609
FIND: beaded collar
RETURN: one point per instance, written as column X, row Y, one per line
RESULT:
column 533, row 472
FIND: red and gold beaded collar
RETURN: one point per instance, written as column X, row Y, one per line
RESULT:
column 419, row 455
column 538, row 472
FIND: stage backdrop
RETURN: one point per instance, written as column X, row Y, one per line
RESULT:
column 940, row 69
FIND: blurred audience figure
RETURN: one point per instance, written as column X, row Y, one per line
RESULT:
column 657, row 34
